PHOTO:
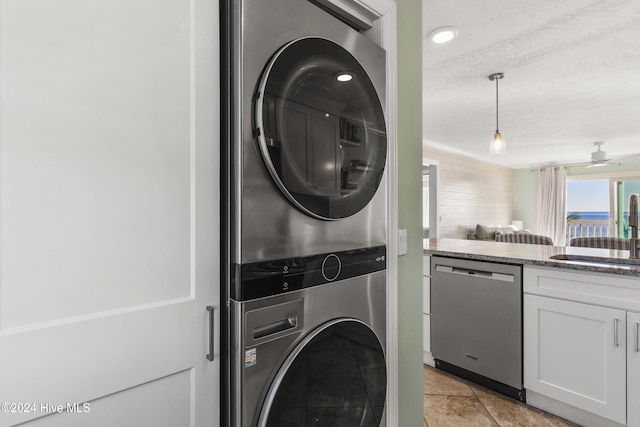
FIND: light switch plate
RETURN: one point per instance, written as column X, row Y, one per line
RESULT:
column 402, row 242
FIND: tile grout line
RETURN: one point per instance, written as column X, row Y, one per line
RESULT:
column 482, row 403
column 477, row 394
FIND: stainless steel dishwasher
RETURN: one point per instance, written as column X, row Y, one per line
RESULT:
column 476, row 322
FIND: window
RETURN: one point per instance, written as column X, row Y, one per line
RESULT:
column 588, row 208
column 600, row 206
column 622, row 192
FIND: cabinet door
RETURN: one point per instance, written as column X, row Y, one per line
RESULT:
column 426, row 295
column 426, row 266
column 426, row 333
column 575, row 353
column 426, row 304
column 633, row 369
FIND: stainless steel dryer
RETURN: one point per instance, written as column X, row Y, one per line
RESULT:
column 307, row 133
column 304, row 255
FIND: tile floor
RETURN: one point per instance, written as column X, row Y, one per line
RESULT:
column 450, row 401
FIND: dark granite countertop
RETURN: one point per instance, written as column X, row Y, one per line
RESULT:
column 596, row 260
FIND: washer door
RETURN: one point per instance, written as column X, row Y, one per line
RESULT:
column 320, row 128
column 335, row 376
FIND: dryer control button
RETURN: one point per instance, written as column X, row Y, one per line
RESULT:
column 331, row 267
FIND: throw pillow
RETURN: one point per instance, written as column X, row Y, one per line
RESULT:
column 505, row 230
column 484, row 232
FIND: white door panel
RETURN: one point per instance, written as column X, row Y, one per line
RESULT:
column 95, row 156
column 108, row 210
column 84, row 359
column 160, row 403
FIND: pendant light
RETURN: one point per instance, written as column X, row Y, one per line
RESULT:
column 498, row 144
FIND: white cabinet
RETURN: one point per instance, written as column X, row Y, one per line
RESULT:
column 426, row 315
column 426, row 309
column 633, row 369
column 581, row 341
column 575, row 353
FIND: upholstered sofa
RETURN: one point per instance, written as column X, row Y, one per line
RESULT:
column 601, row 242
column 489, row 232
column 508, row 234
column 528, row 238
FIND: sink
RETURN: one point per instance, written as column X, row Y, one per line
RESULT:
column 586, row 259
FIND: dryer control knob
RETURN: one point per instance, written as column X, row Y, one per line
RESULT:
column 331, row 267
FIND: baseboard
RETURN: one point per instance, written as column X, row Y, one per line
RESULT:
column 515, row 393
column 568, row 412
column 427, row 359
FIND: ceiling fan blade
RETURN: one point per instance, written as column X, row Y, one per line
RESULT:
column 625, row 159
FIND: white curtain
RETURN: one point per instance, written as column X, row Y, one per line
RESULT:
column 552, row 204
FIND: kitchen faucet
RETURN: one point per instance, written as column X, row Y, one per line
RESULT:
column 634, row 242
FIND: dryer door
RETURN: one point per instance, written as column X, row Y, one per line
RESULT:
column 320, row 128
column 335, row 376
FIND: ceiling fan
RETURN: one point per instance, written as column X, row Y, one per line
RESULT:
column 600, row 158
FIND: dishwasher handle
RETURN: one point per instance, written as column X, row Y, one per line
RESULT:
column 491, row 275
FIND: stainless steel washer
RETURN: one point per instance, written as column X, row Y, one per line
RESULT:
column 312, row 357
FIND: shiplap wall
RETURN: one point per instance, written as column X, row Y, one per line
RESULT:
column 471, row 192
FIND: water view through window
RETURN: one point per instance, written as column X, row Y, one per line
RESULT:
column 588, row 208
column 599, row 207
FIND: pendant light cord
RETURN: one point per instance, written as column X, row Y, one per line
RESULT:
column 497, row 128
column 497, row 145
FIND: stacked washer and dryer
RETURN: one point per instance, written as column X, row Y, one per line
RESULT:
column 304, row 259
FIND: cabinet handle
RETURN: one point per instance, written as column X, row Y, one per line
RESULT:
column 615, row 333
column 210, row 356
column 637, row 326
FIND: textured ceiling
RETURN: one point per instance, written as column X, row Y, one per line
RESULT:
column 572, row 77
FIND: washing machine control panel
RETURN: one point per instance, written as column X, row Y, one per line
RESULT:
column 266, row 278
column 331, row 267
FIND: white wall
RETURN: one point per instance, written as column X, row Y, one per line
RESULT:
column 525, row 188
column 471, row 192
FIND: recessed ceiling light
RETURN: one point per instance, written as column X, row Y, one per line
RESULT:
column 344, row 76
column 443, row 34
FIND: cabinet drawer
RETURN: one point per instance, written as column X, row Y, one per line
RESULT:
column 594, row 288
